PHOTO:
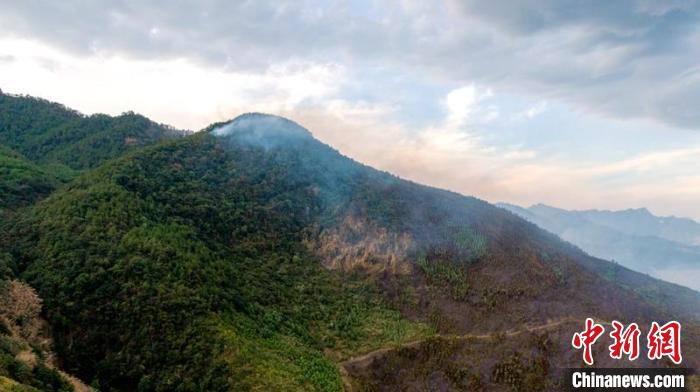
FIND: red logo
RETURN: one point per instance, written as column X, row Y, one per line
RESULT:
column 665, row 341
column 586, row 339
column 662, row 341
column 625, row 342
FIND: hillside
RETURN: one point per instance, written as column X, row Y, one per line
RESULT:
column 43, row 144
column 252, row 256
column 21, row 181
column 664, row 247
column 48, row 132
column 183, row 267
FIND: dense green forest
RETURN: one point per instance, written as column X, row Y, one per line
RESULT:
column 250, row 256
column 49, row 133
column 44, row 144
column 164, row 262
column 23, row 182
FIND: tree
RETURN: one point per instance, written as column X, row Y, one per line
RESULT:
column 20, row 307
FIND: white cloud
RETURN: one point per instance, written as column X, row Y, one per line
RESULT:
column 175, row 91
column 611, row 58
column 536, row 110
column 464, row 105
column 460, row 103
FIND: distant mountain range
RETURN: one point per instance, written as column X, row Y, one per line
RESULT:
column 665, row 247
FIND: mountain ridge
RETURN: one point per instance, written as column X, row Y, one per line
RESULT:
column 44, row 145
column 640, row 213
column 634, row 237
column 49, row 132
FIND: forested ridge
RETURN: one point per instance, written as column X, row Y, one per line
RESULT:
column 156, row 266
column 48, row 132
column 44, row 144
column 251, row 256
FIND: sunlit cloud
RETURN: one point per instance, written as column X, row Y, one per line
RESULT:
column 175, row 91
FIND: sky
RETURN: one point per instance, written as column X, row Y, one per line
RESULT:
column 574, row 104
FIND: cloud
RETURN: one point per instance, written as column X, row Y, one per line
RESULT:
column 178, row 92
column 535, row 110
column 621, row 19
column 612, row 58
column 464, row 105
column 655, row 162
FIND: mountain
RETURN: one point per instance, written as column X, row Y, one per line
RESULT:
column 44, row 144
column 21, row 181
column 641, row 222
column 664, row 247
column 252, row 256
column 49, row 133
column 184, row 267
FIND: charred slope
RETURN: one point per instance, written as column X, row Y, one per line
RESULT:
column 200, row 263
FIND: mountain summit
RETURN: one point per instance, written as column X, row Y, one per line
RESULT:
column 263, row 130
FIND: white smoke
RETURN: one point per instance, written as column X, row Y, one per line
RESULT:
column 262, row 130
